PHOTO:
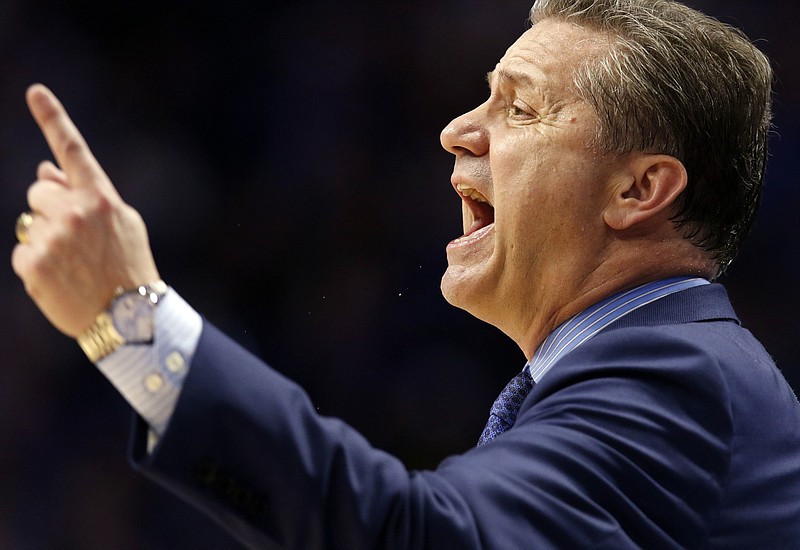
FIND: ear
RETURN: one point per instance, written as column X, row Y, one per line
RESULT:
column 647, row 185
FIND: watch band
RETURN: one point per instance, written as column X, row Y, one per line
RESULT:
column 102, row 338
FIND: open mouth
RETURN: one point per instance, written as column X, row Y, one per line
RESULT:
column 477, row 207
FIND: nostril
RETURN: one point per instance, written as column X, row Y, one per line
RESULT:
column 449, row 138
column 465, row 136
column 460, row 150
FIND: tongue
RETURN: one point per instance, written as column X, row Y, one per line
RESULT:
column 482, row 214
column 476, row 225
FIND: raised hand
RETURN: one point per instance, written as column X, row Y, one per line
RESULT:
column 84, row 242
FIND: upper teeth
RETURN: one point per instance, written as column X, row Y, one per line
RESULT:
column 470, row 192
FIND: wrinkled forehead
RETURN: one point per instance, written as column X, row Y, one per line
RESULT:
column 554, row 49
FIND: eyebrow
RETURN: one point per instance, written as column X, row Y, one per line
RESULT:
column 514, row 77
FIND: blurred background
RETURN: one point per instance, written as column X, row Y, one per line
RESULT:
column 287, row 162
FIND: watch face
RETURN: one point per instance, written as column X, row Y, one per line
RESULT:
column 133, row 318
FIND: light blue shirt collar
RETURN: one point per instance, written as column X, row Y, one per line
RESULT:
column 591, row 321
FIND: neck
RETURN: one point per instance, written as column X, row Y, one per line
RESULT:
column 562, row 299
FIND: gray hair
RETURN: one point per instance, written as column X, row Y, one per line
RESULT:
column 681, row 83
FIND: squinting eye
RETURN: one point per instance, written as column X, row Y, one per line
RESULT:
column 516, row 111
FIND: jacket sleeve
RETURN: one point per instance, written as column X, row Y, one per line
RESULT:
column 598, row 458
column 246, row 446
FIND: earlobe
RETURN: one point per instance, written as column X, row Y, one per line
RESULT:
column 649, row 185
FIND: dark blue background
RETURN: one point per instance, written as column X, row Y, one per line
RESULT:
column 286, row 160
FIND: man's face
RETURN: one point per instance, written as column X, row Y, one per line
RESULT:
column 532, row 191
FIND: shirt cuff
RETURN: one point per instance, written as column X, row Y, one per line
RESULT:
column 150, row 376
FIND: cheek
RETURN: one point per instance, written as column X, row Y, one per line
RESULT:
column 526, row 188
column 541, row 186
column 514, row 152
column 547, row 214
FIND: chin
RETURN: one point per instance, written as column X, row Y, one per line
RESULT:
column 466, row 291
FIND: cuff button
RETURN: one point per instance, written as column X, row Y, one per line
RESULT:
column 175, row 362
column 153, row 382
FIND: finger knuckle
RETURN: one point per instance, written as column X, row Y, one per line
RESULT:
column 93, row 208
column 132, row 214
column 103, row 205
column 49, row 249
column 39, row 268
column 42, row 168
column 18, row 263
column 37, row 193
column 31, row 195
column 72, row 146
column 75, row 220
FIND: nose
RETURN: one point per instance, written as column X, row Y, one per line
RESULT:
column 466, row 135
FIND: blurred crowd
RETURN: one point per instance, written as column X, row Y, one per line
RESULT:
column 287, row 163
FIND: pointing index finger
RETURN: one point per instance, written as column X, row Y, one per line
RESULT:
column 66, row 142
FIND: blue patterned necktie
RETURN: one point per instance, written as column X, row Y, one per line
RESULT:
column 505, row 408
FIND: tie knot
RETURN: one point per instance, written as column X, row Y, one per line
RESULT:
column 506, row 407
column 507, row 404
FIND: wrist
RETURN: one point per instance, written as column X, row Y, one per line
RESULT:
column 129, row 319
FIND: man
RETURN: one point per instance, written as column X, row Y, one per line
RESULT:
column 610, row 175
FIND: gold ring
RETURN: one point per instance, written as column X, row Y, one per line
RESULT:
column 23, row 224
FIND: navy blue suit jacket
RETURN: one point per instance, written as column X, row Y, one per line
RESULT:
column 670, row 429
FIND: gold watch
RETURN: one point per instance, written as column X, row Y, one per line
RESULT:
column 129, row 320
